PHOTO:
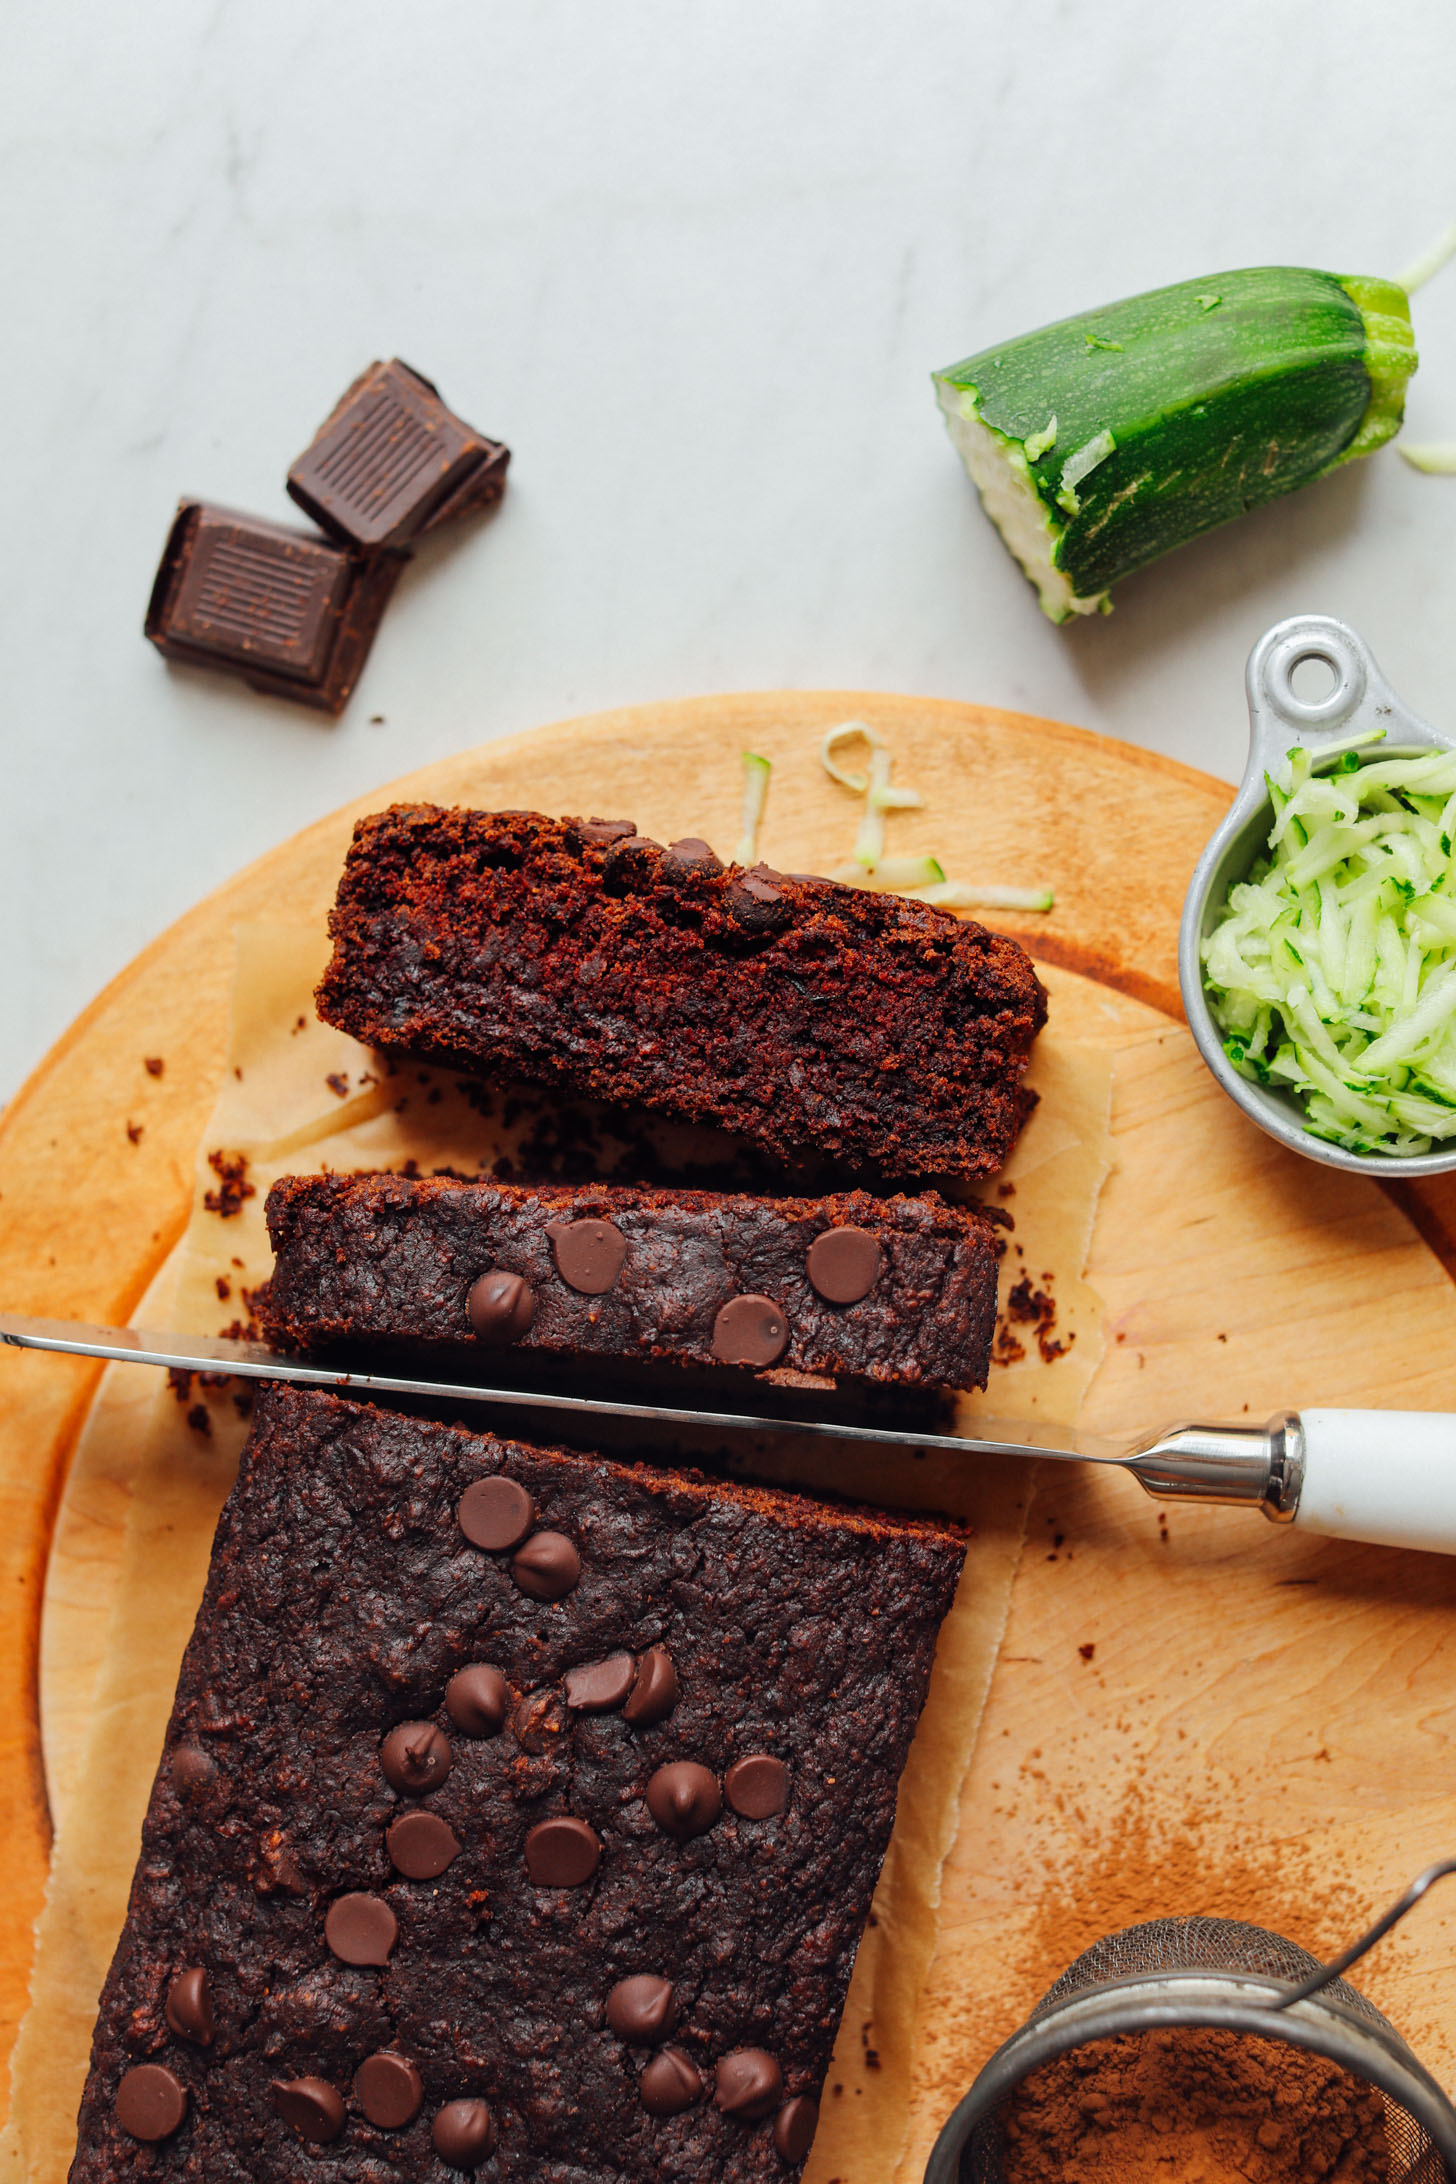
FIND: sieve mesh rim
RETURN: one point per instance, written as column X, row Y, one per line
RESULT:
column 1195, row 1954
column 1200, row 1942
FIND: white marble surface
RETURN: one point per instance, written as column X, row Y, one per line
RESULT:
column 694, row 262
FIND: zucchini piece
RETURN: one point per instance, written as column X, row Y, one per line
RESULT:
column 1105, row 440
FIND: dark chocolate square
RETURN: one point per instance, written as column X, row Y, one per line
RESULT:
column 392, row 461
column 250, row 592
column 288, row 612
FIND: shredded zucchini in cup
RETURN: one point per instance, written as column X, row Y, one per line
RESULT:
column 1317, row 955
column 1332, row 968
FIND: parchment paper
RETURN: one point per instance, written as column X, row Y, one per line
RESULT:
column 146, row 1486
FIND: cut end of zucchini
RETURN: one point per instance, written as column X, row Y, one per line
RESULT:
column 1174, row 412
column 1001, row 473
column 1390, row 358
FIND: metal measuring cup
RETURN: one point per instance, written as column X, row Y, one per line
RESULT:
column 1278, row 717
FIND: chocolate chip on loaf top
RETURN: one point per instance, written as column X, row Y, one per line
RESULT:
column 898, row 1290
column 519, row 1811
column 805, row 1016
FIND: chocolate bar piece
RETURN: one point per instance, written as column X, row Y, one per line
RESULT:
column 289, row 613
column 900, row 1291
column 392, row 462
column 519, row 1816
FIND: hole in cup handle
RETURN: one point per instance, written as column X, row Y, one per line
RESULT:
column 1330, row 647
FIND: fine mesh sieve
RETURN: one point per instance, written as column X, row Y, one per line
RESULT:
column 1197, row 1972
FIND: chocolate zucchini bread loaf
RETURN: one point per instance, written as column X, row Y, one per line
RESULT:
column 899, row 1290
column 805, row 1016
column 519, row 1812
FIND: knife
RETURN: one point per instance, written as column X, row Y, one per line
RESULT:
column 1385, row 1477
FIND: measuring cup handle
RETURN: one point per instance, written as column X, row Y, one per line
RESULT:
column 1359, row 701
column 1387, row 1477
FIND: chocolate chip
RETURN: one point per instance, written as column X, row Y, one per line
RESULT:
column 495, row 1513
column 588, row 1254
column 360, row 1929
column 501, row 1306
column 312, row 2106
column 757, row 1786
column 669, row 2084
column 421, row 1845
column 642, row 2009
column 844, row 1264
column 150, row 2102
column 477, row 1699
column 749, row 2085
column 794, row 2127
column 608, row 830
column 684, row 1798
column 692, row 855
column 562, row 1852
column 548, row 1567
column 631, row 864
column 463, row 2133
column 600, row 1687
column 189, row 2007
column 756, row 903
column 388, row 2089
column 415, row 1758
column 654, row 1690
column 750, row 1331
column 193, row 1770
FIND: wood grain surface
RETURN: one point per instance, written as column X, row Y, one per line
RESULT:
column 1200, row 1701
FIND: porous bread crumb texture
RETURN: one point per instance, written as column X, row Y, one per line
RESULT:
column 804, row 1016
column 341, row 1599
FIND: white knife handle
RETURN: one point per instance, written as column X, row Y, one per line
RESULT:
column 1387, row 1477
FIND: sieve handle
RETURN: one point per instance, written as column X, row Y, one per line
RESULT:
column 1386, row 1477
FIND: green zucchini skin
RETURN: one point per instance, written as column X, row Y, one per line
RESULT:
column 1217, row 394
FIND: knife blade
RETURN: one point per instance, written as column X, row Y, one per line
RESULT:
column 1384, row 1477
column 255, row 1361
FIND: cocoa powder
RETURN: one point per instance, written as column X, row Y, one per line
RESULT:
column 1193, row 2106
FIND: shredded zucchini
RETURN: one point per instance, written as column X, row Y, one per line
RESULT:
column 848, row 731
column 956, row 895
column 1037, row 446
column 922, row 878
column 1332, row 968
column 1079, row 465
column 1437, row 456
column 1429, row 262
column 756, row 772
column 891, row 876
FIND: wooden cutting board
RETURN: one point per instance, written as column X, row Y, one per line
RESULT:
column 1189, row 1713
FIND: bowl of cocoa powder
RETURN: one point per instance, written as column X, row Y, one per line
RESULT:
column 1193, row 2105
column 1178, row 2052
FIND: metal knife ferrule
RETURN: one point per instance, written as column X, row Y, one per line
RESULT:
column 1255, row 1466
